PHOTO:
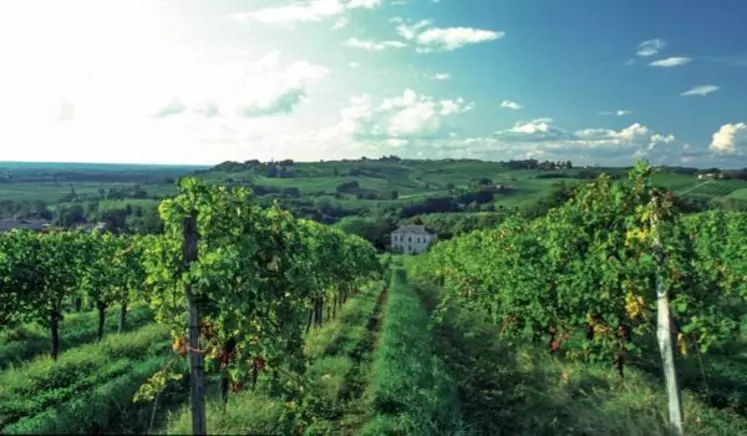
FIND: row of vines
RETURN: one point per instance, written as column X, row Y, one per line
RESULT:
column 239, row 285
column 605, row 275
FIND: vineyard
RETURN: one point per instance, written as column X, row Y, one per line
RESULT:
column 241, row 319
column 233, row 287
column 615, row 276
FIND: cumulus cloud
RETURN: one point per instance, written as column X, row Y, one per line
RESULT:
column 651, row 47
column 299, row 11
column 541, row 137
column 439, row 76
column 539, row 129
column 701, row 90
column 272, row 104
column 508, row 104
column 675, row 61
column 374, row 45
column 257, row 89
column 429, row 39
column 279, row 95
column 730, row 139
column 409, row 30
column 404, row 117
column 452, row 38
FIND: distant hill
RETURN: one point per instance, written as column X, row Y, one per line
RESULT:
column 404, row 181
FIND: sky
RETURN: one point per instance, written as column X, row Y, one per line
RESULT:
column 202, row 82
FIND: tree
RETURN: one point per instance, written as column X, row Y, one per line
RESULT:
column 43, row 271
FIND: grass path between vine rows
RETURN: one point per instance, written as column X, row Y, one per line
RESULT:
column 352, row 410
column 411, row 393
column 519, row 389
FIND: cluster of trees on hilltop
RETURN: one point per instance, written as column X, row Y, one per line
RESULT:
column 534, row 164
column 275, row 169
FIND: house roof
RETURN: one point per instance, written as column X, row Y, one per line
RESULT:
column 92, row 226
column 420, row 230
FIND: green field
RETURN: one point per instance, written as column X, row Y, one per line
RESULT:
column 738, row 194
column 413, row 180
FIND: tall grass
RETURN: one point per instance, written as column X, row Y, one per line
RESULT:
column 107, row 408
column 43, row 383
column 509, row 390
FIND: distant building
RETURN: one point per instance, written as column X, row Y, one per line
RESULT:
column 411, row 239
column 90, row 227
column 8, row 224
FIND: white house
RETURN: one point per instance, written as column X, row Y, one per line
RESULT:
column 411, row 239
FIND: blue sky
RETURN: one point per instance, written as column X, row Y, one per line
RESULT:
column 188, row 81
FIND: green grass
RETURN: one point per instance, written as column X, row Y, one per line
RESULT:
column 22, row 343
column 521, row 389
column 411, row 392
column 43, row 383
column 739, row 194
column 106, row 408
column 51, row 192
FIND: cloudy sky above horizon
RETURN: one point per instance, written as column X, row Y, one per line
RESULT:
column 198, row 82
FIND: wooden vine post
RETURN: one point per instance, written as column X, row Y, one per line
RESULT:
column 664, row 335
column 196, row 368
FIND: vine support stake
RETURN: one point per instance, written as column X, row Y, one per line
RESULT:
column 664, row 336
column 196, row 370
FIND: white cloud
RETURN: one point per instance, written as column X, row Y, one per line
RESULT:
column 452, row 38
column 508, row 104
column 304, row 11
column 730, row 139
column 440, row 76
column 701, row 90
column 540, row 136
column 374, row 45
column 409, row 31
column 277, row 91
column 540, row 139
column 619, row 113
column 354, row 64
column 537, row 129
column 118, row 111
column 407, row 116
column 675, row 61
column 340, row 23
column 651, row 47
column 430, row 39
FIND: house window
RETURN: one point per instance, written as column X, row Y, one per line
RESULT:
column 409, row 239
